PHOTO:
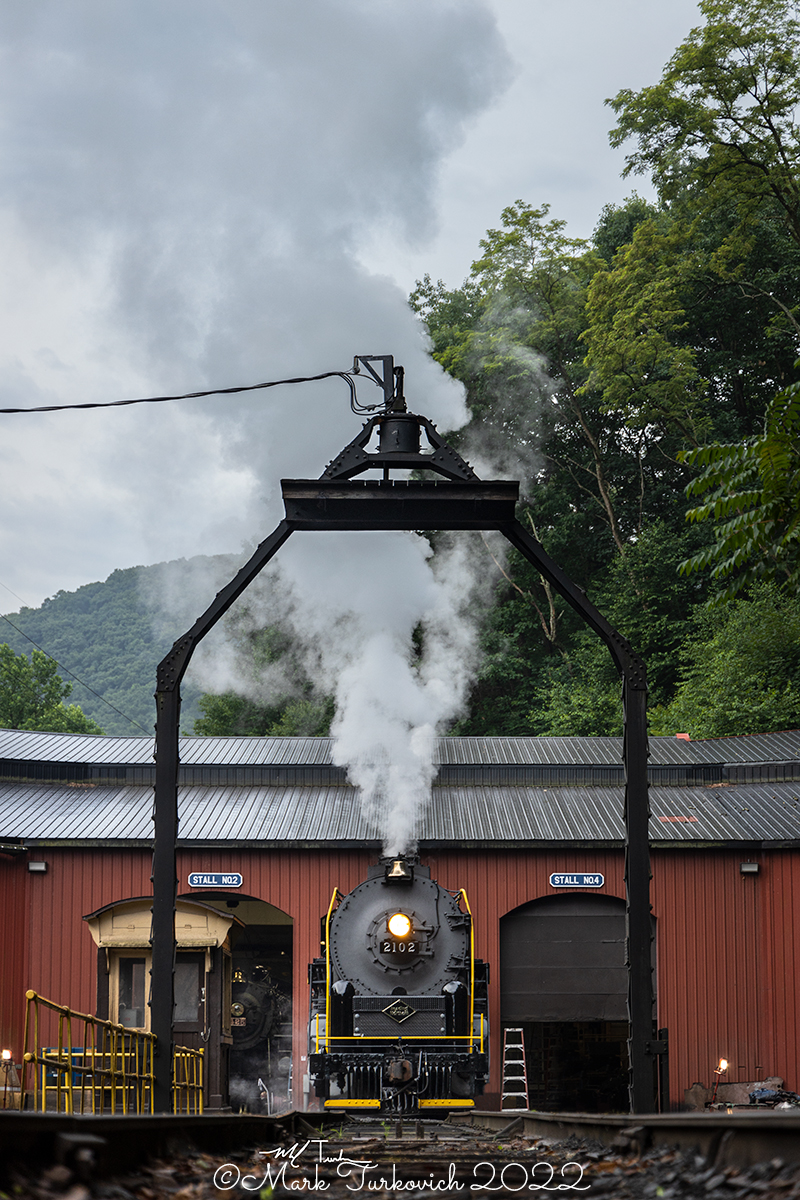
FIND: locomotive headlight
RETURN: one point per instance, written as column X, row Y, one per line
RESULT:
column 399, row 925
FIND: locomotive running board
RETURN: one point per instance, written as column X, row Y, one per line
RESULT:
column 446, row 1103
column 352, row 1103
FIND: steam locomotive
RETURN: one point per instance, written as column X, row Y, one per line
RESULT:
column 399, row 1003
column 260, row 1056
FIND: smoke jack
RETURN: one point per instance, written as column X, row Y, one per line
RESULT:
column 334, row 502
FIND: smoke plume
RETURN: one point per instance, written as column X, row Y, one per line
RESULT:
column 391, row 631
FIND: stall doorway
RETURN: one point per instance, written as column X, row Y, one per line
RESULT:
column 261, row 1004
column 563, row 981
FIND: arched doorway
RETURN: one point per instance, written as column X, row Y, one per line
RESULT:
column 261, row 1002
column 563, row 981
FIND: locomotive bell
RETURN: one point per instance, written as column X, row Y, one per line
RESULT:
column 399, row 434
column 398, row 871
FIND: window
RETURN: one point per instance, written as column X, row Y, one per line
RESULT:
column 187, row 988
column 131, row 1008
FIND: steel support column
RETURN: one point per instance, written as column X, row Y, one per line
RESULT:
column 641, row 1085
column 165, row 810
column 641, row 999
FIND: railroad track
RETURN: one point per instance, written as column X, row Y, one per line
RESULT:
column 191, row 1158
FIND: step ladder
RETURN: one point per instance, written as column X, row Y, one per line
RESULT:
column 515, row 1076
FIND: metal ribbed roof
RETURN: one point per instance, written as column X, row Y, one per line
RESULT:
column 499, row 815
column 87, row 748
column 751, row 747
column 74, row 747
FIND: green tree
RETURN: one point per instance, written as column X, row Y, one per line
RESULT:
column 740, row 669
column 722, row 119
column 604, row 473
column 719, row 136
column 229, row 715
column 637, row 357
column 271, row 664
column 514, row 335
column 32, row 695
column 753, row 490
column 646, row 599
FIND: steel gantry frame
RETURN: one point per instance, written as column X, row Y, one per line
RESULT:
column 337, row 501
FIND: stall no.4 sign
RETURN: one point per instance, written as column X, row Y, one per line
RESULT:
column 571, row 879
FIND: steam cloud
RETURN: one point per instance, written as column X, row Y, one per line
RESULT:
column 390, row 704
column 353, row 603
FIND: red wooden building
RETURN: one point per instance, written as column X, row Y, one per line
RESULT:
column 510, row 820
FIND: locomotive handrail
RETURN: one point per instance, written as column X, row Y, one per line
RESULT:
column 462, row 892
column 337, row 895
column 112, row 1070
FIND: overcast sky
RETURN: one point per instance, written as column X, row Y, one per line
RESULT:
column 200, row 193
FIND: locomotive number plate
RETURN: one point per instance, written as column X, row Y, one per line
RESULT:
column 238, row 1020
column 390, row 946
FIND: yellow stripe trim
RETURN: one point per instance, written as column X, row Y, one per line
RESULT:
column 446, row 1103
column 352, row 1103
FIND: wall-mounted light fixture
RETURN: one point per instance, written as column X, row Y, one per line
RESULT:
column 37, row 868
column 749, row 868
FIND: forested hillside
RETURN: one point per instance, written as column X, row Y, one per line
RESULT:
column 113, row 634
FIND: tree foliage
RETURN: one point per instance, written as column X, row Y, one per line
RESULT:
column 740, row 669
column 32, row 695
column 752, row 489
column 651, row 352
column 228, row 715
column 723, row 114
column 276, row 697
column 113, row 634
column 636, row 358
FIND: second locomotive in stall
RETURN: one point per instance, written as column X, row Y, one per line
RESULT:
column 399, row 1011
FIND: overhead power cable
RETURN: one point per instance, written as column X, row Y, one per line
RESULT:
column 24, row 603
column 228, row 391
column 75, row 677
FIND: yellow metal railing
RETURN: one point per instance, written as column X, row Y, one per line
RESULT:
column 102, row 1067
column 187, row 1080
column 335, row 898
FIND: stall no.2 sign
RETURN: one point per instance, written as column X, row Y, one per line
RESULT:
column 231, row 879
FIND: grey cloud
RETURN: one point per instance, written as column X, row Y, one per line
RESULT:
column 189, row 182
